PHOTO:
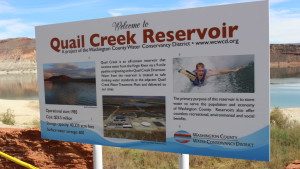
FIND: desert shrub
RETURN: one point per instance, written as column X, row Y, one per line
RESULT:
column 8, row 117
column 278, row 119
column 36, row 123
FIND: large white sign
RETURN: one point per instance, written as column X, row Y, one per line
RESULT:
column 192, row 81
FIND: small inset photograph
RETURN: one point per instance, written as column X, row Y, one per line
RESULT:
column 135, row 117
column 70, row 83
column 214, row 74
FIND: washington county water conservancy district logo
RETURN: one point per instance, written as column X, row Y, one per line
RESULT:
column 182, row 136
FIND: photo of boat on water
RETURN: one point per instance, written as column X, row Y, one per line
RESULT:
column 70, row 83
column 214, row 74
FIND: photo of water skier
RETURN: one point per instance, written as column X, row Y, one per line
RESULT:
column 214, row 74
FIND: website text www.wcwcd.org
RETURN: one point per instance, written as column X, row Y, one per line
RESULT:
column 216, row 42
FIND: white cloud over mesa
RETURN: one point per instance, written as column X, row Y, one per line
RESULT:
column 16, row 28
column 11, row 27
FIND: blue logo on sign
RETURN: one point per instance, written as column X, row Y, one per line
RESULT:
column 182, row 136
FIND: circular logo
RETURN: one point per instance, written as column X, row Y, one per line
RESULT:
column 182, row 136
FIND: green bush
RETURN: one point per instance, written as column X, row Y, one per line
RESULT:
column 8, row 117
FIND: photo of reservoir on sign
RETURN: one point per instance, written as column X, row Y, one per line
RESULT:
column 135, row 117
column 214, row 74
column 70, row 83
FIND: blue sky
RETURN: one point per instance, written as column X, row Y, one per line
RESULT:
column 18, row 17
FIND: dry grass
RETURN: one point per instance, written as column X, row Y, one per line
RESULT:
column 123, row 158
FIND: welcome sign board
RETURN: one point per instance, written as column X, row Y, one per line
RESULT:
column 192, row 81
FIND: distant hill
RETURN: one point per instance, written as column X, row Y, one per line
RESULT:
column 65, row 78
column 17, row 54
column 59, row 78
column 285, row 55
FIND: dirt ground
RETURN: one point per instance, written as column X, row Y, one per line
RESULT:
column 27, row 145
column 25, row 111
column 292, row 113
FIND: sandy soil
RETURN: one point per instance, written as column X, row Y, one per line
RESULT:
column 25, row 111
column 292, row 113
column 4, row 72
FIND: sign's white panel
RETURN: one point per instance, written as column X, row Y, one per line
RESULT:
column 192, row 81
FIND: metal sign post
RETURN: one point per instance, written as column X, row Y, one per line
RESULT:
column 184, row 161
column 97, row 157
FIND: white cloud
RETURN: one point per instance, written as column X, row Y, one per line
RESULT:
column 6, row 7
column 189, row 4
column 17, row 27
column 11, row 28
column 59, row 7
column 272, row 2
column 183, row 4
column 135, row 10
column 284, row 26
column 114, row 13
column 126, row 11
